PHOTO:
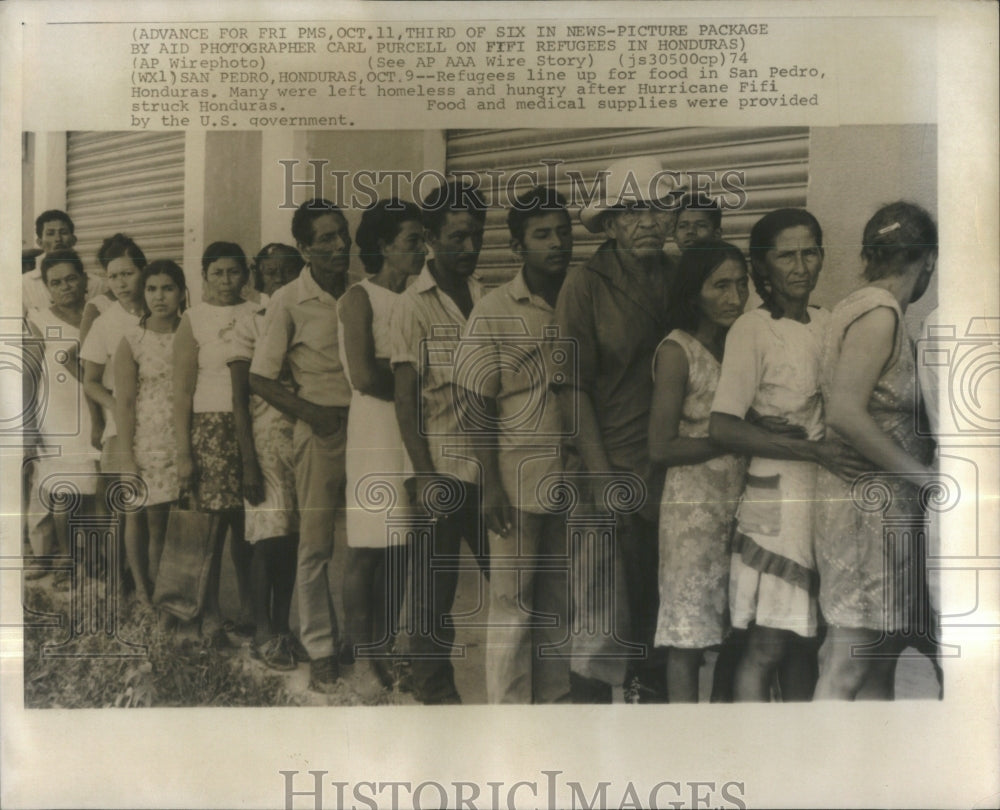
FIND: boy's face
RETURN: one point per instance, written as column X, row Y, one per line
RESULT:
column 547, row 246
column 56, row 235
column 693, row 227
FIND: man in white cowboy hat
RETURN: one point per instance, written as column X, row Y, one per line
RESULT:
column 615, row 308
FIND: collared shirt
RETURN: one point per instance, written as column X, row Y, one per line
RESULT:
column 425, row 328
column 510, row 352
column 617, row 318
column 301, row 327
column 34, row 293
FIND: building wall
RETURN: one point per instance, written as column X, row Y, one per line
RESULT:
column 233, row 189
column 853, row 171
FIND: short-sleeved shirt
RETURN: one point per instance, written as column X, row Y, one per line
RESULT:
column 510, row 352
column 301, row 329
column 246, row 333
column 34, row 293
column 212, row 327
column 425, row 328
column 773, row 366
column 617, row 318
column 102, row 342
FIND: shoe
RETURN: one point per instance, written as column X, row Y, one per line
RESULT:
column 366, row 683
column 218, row 640
column 345, row 653
column 35, row 570
column 383, row 671
column 298, row 648
column 402, row 675
column 323, row 674
column 450, row 699
column 277, row 654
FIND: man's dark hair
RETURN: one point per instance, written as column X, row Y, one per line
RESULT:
column 307, row 213
column 451, row 198
column 64, row 256
column 537, row 202
column 703, row 204
column 52, row 215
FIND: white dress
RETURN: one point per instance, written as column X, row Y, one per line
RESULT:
column 375, row 455
column 773, row 366
column 65, row 418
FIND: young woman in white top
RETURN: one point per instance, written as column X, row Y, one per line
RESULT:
column 208, row 456
column 128, row 258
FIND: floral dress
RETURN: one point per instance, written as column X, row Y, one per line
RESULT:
column 153, row 446
column 696, row 520
column 867, row 581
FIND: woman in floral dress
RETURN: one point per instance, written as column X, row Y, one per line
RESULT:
column 703, row 482
column 144, row 397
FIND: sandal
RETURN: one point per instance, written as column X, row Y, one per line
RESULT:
column 277, row 654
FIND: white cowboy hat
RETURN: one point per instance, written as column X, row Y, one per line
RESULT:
column 631, row 180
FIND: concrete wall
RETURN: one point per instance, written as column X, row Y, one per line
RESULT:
column 853, row 171
column 233, row 189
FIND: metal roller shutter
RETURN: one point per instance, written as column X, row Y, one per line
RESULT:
column 775, row 161
column 128, row 182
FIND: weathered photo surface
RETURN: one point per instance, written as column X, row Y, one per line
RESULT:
column 382, row 390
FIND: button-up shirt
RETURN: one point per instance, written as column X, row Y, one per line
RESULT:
column 617, row 319
column 301, row 327
column 425, row 328
column 510, row 353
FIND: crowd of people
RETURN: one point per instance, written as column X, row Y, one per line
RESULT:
column 439, row 414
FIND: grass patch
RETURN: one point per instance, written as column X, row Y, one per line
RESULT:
column 174, row 672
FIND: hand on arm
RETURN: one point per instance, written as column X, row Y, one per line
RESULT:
column 666, row 447
column 324, row 421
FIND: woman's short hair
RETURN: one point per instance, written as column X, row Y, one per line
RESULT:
column 276, row 250
column 117, row 246
column 224, row 250
column 382, row 222
column 162, row 267
column 899, row 234
column 64, row 256
column 696, row 265
column 762, row 239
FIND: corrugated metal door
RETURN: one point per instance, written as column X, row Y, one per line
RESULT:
column 775, row 162
column 128, row 182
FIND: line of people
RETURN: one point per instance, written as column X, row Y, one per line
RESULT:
column 440, row 414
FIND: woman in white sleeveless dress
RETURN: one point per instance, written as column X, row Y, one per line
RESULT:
column 390, row 238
